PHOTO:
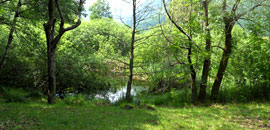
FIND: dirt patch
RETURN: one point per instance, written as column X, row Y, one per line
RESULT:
column 24, row 123
column 252, row 122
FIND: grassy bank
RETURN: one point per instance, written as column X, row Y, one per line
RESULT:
column 39, row 115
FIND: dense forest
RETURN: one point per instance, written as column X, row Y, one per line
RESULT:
column 167, row 53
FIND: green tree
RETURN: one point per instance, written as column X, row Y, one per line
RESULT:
column 190, row 21
column 100, row 9
column 10, row 38
column 52, row 41
column 230, row 17
column 207, row 60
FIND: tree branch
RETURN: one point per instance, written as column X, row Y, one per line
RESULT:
column 246, row 12
column 178, row 27
column 61, row 16
column 79, row 17
column 235, row 6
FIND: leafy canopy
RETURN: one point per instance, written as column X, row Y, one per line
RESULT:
column 100, row 9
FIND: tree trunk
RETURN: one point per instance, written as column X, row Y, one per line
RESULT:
column 207, row 60
column 10, row 37
column 130, row 78
column 52, row 42
column 193, row 75
column 229, row 24
column 51, row 75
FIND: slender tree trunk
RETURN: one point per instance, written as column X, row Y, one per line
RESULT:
column 229, row 24
column 191, row 67
column 10, row 37
column 192, row 74
column 207, row 60
column 130, row 78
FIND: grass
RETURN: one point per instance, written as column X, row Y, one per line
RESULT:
column 39, row 115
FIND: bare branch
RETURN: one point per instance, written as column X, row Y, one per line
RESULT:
column 141, row 30
column 117, row 60
column 246, row 12
column 253, row 21
column 167, row 39
column 124, row 22
column 177, row 26
column 145, row 38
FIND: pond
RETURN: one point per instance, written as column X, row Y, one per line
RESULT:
column 115, row 95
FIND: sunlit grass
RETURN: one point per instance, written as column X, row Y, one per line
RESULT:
column 39, row 115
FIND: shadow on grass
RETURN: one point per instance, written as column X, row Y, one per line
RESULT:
column 36, row 116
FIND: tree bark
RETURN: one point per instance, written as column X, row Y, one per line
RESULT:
column 10, row 37
column 192, row 74
column 52, row 42
column 49, row 30
column 191, row 67
column 229, row 24
column 130, row 78
column 207, row 60
column 51, row 75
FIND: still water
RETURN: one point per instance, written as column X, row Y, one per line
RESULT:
column 114, row 96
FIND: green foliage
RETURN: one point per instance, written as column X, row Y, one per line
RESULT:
column 14, row 95
column 91, row 57
column 34, row 94
column 172, row 98
column 100, row 9
column 244, row 94
column 75, row 100
column 19, row 94
column 80, row 61
column 100, row 102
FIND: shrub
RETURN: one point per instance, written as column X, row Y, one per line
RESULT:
column 100, row 101
column 122, row 100
column 14, row 95
column 34, row 94
column 172, row 98
column 75, row 100
column 243, row 94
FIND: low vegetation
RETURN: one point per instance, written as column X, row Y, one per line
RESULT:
column 39, row 115
column 200, row 64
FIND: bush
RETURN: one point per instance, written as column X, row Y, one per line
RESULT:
column 34, row 94
column 14, row 95
column 122, row 100
column 172, row 98
column 243, row 94
column 75, row 100
column 100, row 102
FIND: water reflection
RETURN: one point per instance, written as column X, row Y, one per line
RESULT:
column 114, row 96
